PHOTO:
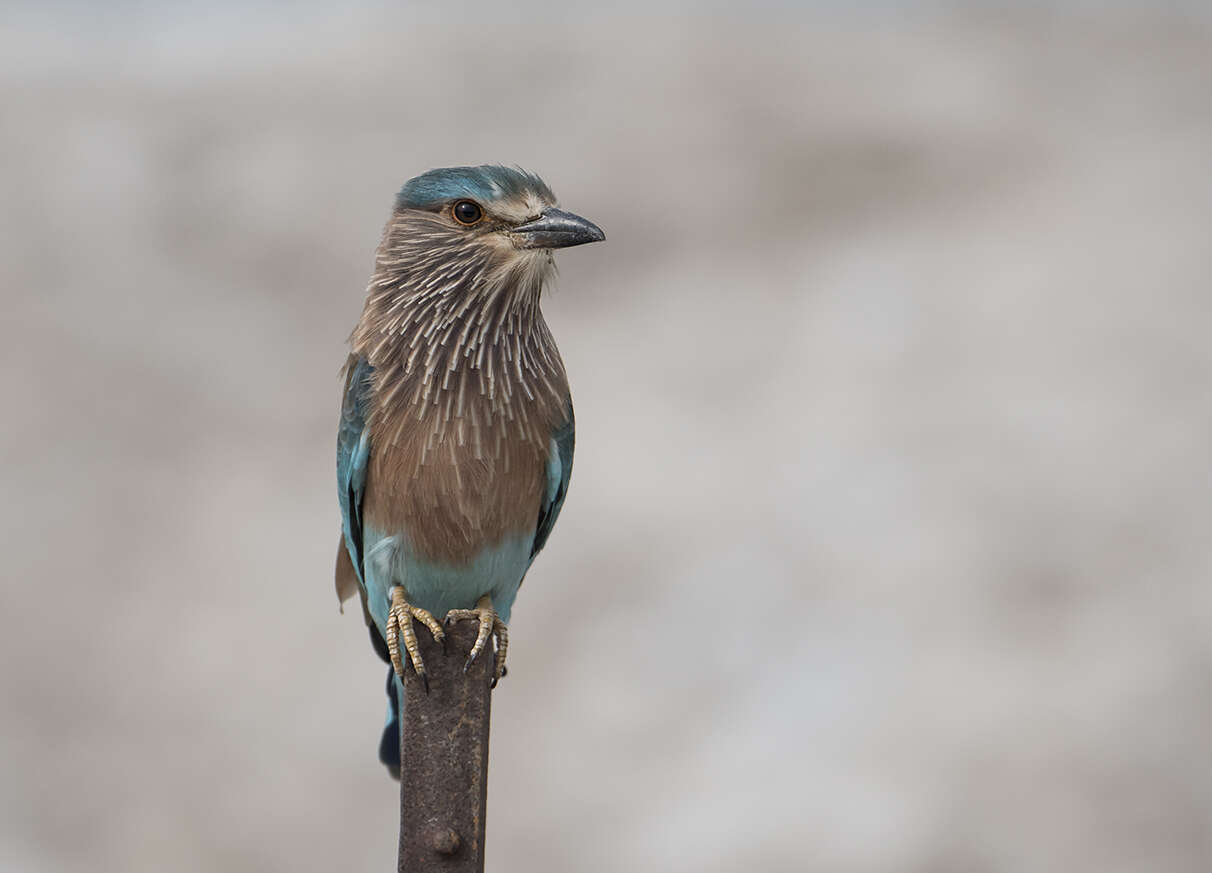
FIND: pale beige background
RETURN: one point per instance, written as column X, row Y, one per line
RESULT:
column 888, row 544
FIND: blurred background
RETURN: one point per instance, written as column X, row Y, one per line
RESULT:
column 888, row 544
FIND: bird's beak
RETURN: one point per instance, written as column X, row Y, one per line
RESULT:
column 557, row 229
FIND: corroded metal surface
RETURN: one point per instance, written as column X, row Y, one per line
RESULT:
column 444, row 757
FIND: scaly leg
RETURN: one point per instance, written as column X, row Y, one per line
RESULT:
column 399, row 627
column 490, row 623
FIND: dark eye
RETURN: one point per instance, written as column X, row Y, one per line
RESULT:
column 467, row 212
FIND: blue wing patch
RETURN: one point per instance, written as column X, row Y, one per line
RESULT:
column 559, row 471
column 353, row 452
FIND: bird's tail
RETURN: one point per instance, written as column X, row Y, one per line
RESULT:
column 389, row 744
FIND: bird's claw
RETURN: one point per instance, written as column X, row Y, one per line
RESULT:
column 490, row 623
column 399, row 627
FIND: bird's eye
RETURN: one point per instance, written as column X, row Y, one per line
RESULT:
column 467, row 212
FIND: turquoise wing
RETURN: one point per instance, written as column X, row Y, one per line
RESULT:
column 559, row 471
column 353, row 453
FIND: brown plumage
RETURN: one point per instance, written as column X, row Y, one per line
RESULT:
column 468, row 386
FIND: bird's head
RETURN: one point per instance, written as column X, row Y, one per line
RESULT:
column 471, row 226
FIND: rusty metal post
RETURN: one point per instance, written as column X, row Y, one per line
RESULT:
column 444, row 757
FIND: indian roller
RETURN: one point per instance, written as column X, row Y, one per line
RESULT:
column 455, row 444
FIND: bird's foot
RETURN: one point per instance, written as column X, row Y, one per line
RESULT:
column 399, row 627
column 490, row 623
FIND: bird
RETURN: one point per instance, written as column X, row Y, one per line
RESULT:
column 456, row 434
